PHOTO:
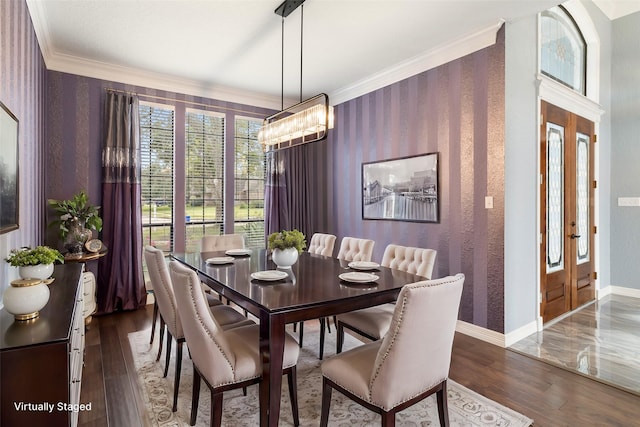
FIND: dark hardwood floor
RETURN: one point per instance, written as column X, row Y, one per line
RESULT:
column 549, row 395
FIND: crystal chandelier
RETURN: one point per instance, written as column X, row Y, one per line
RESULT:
column 305, row 122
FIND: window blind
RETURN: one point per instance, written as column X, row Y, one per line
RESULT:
column 250, row 170
column 157, row 151
column 204, row 168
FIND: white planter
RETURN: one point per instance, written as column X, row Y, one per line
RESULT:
column 285, row 258
column 40, row 271
column 25, row 301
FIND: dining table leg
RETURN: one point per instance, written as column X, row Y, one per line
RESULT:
column 272, row 330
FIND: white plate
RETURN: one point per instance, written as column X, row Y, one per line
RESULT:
column 358, row 277
column 219, row 260
column 363, row 265
column 269, row 275
column 238, row 252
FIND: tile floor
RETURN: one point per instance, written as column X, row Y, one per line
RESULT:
column 600, row 340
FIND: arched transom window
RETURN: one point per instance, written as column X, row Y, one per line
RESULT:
column 563, row 51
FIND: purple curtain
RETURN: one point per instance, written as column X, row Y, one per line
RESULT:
column 276, row 203
column 296, row 189
column 120, row 280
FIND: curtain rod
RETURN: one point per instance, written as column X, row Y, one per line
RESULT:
column 200, row 104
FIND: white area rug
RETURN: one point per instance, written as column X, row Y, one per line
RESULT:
column 466, row 408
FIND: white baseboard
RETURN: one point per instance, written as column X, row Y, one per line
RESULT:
column 619, row 290
column 522, row 332
column 502, row 340
column 484, row 334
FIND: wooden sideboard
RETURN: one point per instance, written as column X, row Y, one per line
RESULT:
column 41, row 359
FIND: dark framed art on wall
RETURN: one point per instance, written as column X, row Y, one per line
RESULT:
column 401, row 189
column 9, row 183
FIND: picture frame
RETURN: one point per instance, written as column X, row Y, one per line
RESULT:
column 9, row 182
column 402, row 189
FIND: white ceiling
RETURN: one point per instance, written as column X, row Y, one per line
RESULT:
column 231, row 49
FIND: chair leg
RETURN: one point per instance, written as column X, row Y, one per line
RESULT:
column 162, row 328
column 301, row 334
column 153, row 322
column 195, row 396
column 323, row 321
column 293, row 395
column 443, row 411
column 326, row 402
column 176, row 381
column 388, row 419
column 339, row 338
column 216, row 409
column 168, row 355
column 328, row 325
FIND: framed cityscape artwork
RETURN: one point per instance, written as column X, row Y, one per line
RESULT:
column 402, row 189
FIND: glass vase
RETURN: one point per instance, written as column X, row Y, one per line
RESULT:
column 77, row 237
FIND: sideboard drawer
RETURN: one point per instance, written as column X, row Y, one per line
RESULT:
column 89, row 294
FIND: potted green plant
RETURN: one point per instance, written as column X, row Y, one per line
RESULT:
column 286, row 245
column 34, row 263
column 76, row 218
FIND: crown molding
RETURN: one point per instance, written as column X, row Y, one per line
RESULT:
column 443, row 54
column 56, row 61
column 40, row 27
column 133, row 76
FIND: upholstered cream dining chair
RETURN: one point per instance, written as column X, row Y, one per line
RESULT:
column 351, row 249
column 355, row 249
column 226, row 359
column 373, row 322
column 322, row 244
column 156, row 313
column 222, row 242
column 410, row 363
column 165, row 297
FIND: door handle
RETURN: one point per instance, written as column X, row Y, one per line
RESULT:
column 574, row 236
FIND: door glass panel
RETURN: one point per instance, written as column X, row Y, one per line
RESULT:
column 582, row 195
column 555, row 197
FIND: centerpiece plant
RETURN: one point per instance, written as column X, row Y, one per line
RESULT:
column 288, row 239
column 285, row 246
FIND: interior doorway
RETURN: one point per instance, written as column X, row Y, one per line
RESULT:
column 567, row 276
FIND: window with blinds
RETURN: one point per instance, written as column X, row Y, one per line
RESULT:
column 250, row 169
column 156, row 143
column 204, row 169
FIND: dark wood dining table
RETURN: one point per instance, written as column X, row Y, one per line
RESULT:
column 311, row 290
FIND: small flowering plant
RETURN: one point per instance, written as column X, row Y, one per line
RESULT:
column 287, row 239
column 39, row 255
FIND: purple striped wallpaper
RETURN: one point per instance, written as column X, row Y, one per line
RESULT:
column 456, row 109
column 22, row 90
